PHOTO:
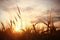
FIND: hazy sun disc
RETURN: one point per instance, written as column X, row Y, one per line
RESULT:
column 18, row 27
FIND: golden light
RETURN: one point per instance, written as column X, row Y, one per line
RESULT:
column 41, row 26
column 17, row 27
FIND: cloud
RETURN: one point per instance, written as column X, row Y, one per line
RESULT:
column 6, row 4
column 4, row 17
column 30, row 9
column 57, row 23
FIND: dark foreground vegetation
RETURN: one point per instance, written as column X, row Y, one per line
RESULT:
column 27, row 35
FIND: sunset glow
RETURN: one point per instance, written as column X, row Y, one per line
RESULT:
column 18, row 26
column 29, row 19
column 17, row 29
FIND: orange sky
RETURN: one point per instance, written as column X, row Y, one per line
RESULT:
column 30, row 9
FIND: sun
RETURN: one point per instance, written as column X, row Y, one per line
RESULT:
column 18, row 27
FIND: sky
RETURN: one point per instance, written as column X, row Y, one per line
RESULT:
column 30, row 9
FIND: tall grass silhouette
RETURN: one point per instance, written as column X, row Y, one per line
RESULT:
column 6, row 34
